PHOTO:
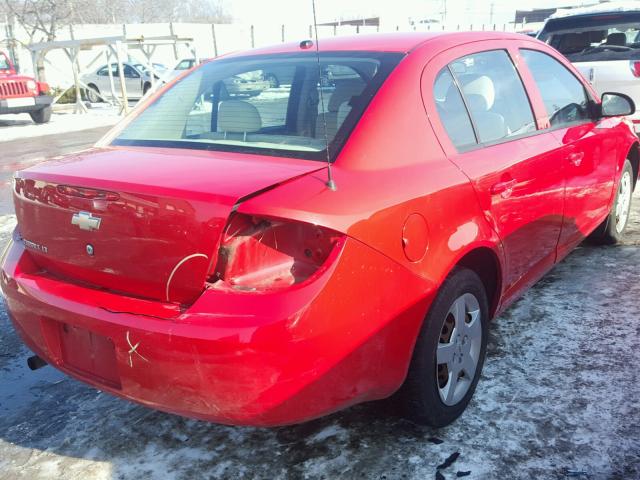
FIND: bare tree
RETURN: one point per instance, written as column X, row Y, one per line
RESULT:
column 40, row 19
column 206, row 11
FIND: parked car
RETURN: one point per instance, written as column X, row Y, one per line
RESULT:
column 283, row 76
column 137, row 80
column 603, row 42
column 22, row 94
column 215, row 257
column 182, row 66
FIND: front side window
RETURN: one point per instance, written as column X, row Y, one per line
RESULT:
column 494, row 95
column 564, row 96
column 234, row 104
column 185, row 65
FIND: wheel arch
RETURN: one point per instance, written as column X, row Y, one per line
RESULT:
column 484, row 261
column 634, row 158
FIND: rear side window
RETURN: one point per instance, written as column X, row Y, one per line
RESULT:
column 493, row 94
column 452, row 111
column 564, row 96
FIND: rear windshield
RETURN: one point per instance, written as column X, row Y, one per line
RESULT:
column 267, row 104
column 596, row 37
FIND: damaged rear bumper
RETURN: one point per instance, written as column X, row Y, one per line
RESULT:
column 232, row 357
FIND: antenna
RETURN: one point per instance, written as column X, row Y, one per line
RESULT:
column 330, row 183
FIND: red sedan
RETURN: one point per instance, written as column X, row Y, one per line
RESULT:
column 204, row 259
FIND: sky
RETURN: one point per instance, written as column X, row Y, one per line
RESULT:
column 462, row 11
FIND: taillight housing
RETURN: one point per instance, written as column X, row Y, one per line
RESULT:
column 634, row 65
column 258, row 253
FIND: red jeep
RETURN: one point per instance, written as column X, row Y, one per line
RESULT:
column 22, row 94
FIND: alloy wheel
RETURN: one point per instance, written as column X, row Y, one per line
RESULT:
column 459, row 348
column 624, row 201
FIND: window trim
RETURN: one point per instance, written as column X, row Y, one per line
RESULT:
column 472, row 147
column 589, row 98
column 466, row 105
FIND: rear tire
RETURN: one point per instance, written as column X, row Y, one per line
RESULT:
column 449, row 352
column 146, row 88
column 41, row 116
column 611, row 230
column 93, row 94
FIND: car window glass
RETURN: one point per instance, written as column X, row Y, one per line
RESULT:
column 564, row 96
column 452, row 112
column 595, row 37
column 266, row 103
column 103, row 72
column 130, row 72
column 494, row 95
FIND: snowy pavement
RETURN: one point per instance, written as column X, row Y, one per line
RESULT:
column 559, row 398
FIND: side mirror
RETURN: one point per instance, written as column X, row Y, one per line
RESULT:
column 617, row 104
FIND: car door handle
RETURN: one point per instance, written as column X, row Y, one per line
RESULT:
column 504, row 189
column 576, row 158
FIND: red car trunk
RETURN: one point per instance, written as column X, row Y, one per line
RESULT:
column 144, row 222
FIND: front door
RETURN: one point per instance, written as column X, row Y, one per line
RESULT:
column 588, row 153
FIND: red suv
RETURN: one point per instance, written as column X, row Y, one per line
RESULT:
column 22, row 94
column 203, row 260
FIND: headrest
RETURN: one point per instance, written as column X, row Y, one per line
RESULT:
column 237, row 116
column 477, row 103
column 574, row 42
column 478, row 85
column 344, row 92
column 617, row 38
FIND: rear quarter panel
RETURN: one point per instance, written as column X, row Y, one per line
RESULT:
column 392, row 166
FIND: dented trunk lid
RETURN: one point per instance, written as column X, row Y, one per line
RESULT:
column 144, row 222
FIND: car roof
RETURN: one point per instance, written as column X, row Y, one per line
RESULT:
column 401, row 42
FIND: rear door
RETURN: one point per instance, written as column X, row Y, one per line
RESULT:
column 491, row 133
column 589, row 152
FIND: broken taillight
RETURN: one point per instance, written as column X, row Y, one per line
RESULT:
column 265, row 254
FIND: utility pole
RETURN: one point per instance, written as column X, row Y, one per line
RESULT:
column 491, row 13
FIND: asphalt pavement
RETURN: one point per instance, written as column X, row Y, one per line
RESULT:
column 24, row 152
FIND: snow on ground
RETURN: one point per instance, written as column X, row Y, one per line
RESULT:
column 559, row 398
column 17, row 126
column 7, row 224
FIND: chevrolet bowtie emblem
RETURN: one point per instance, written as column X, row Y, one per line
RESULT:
column 86, row 221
